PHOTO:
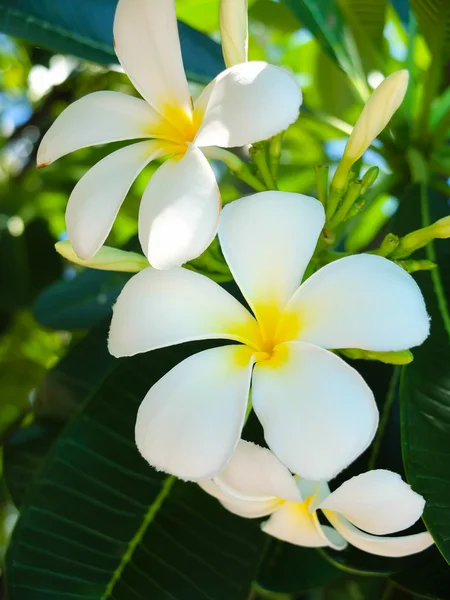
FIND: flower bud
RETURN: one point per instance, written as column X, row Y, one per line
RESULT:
column 441, row 228
column 234, row 31
column 106, row 259
column 376, row 114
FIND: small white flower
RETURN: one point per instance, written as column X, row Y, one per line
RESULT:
column 317, row 412
column 181, row 204
column 255, row 484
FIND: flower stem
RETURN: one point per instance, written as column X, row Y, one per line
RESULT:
column 236, row 166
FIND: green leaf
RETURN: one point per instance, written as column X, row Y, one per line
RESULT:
column 81, row 302
column 326, row 22
column 84, row 29
column 370, row 16
column 23, row 455
column 433, row 17
column 272, row 14
column 290, row 569
column 425, row 390
column 99, row 523
column 24, row 271
column 430, row 579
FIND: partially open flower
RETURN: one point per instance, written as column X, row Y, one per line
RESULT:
column 361, row 511
column 317, row 412
column 180, row 208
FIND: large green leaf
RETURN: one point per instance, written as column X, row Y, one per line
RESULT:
column 81, row 302
column 84, row 28
column 99, row 523
column 433, row 17
column 57, row 399
column 291, row 569
column 326, row 22
column 425, row 391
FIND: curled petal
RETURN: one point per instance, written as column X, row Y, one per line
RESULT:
column 318, row 414
column 95, row 201
column 247, row 103
column 190, row 421
column 254, row 473
column 362, row 301
column 294, row 524
column 179, row 211
column 148, row 48
column 251, row 509
column 97, row 118
column 379, row 502
column 382, row 546
column 161, row 308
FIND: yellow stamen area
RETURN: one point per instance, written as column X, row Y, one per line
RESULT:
column 276, row 358
column 175, row 126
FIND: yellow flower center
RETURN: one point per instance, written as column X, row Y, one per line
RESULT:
column 275, row 327
column 177, row 126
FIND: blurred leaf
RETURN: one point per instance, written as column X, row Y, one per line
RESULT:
column 84, row 29
column 369, row 15
column 200, row 14
column 425, row 389
column 433, row 17
column 272, row 14
column 366, row 20
column 326, row 22
column 24, row 454
column 290, row 569
column 402, row 8
column 81, row 302
column 58, row 398
column 73, row 378
column 99, row 523
column 429, row 579
column 29, row 263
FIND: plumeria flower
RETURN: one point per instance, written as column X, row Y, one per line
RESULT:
column 317, row 412
column 180, row 207
column 364, row 508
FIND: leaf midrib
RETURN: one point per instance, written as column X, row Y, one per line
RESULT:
column 137, row 538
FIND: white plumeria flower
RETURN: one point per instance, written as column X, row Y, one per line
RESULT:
column 317, row 412
column 255, row 484
column 180, row 207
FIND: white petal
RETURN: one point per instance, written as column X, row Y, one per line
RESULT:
column 379, row 502
column 190, row 421
column 248, row 103
column 97, row 118
column 148, row 48
column 234, row 30
column 243, row 508
column 317, row 412
column 255, row 473
column 267, row 240
column 161, row 308
column 97, row 197
column 294, row 524
column 179, row 211
column 363, row 301
column 382, row 546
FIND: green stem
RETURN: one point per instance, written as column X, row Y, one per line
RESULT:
column 236, row 166
column 275, row 154
column 321, row 172
column 259, row 156
column 349, row 200
column 384, row 417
